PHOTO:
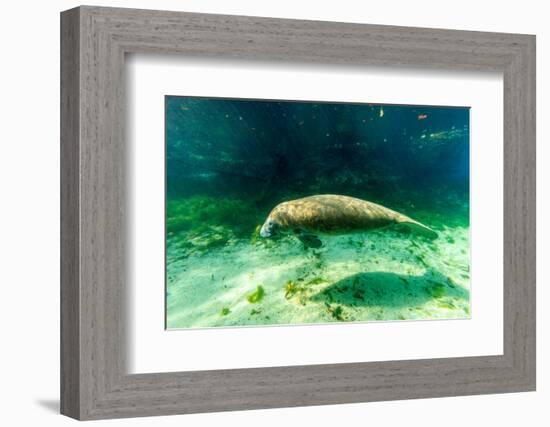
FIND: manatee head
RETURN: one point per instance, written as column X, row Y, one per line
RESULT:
column 270, row 227
column 273, row 225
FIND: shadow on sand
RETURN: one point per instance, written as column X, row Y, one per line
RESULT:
column 385, row 289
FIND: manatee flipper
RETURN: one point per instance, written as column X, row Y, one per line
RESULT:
column 417, row 227
column 309, row 240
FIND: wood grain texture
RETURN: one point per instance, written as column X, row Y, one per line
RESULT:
column 94, row 382
column 70, row 292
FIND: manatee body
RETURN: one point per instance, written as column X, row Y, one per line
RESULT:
column 333, row 214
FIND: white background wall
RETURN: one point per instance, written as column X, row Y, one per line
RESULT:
column 29, row 212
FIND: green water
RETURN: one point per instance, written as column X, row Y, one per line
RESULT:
column 229, row 162
column 224, row 275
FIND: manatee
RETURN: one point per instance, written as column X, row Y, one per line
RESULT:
column 334, row 214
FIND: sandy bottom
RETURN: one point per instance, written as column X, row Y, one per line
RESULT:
column 382, row 275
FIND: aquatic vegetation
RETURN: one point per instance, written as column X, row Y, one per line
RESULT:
column 198, row 243
column 256, row 296
column 446, row 304
column 328, row 293
column 336, row 312
column 290, row 289
column 421, row 260
column 436, row 291
column 225, row 311
column 255, row 238
column 199, row 214
column 315, row 281
column 301, row 291
column 215, row 241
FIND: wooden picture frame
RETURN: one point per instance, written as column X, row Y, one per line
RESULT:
column 94, row 381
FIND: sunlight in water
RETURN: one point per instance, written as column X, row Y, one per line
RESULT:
column 231, row 162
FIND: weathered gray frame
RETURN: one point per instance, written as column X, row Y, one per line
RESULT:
column 94, row 382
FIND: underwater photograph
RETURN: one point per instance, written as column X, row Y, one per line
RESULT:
column 286, row 212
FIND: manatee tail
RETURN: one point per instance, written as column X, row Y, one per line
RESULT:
column 417, row 227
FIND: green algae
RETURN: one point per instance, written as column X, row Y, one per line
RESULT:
column 255, row 237
column 291, row 289
column 437, row 290
column 215, row 241
column 315, row 281
column 421, row 260
column 198, row 214
column 336, row 312
column 446, row 304
column 225, row 311
column 256, row 296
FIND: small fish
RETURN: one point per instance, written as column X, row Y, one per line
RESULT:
column 422, row 116
column 381, row 114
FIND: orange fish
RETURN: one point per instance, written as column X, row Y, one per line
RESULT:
column 422, row 116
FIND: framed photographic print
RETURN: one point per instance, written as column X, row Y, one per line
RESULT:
column 261, row 213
